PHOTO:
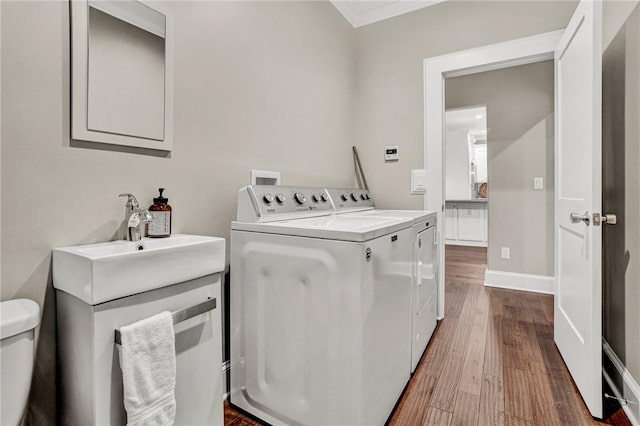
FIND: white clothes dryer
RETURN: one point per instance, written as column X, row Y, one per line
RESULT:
column 351, row 202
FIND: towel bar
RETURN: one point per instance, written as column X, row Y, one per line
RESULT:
column 182, row 315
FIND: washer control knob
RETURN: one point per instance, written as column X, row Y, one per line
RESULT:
column 280, row 198
column 315, row 198
column 363, row 197
column 354, row 197
column 367, row 196
column 324, row 198
column 344, row 197
column 267, row 198
column 299, row 197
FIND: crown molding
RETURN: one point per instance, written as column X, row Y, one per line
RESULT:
column 384, row 10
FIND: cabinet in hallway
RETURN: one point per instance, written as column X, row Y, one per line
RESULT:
column 466, row 222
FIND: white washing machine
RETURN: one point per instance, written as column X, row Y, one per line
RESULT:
column 360, row 203
column 319, row 310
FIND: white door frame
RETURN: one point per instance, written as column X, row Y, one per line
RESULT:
column 520, row 51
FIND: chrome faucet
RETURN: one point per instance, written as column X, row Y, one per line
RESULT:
column 134, row 218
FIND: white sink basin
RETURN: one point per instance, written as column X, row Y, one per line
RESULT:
column 98, row 273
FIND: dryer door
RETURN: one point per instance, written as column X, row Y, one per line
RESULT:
column 424, row 293
column 427, row 268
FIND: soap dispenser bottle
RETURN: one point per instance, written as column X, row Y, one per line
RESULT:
column 161, row 212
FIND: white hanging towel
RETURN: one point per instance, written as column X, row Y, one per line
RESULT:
column 148, row 363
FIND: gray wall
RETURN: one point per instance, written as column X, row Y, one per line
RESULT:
column 621, row 183
column 519, row 104
column 389, row 94
column 258, row 85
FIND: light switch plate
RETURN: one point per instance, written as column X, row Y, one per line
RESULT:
column 538, row 183
column 391, row 153
column 418, row 181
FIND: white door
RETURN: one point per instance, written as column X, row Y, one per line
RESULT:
column 578, row 298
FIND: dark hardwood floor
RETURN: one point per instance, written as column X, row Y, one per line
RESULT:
column 492, row 360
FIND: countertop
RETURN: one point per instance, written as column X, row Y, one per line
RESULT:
column 477, row 200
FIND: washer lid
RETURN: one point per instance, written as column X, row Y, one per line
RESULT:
column 335, row 227
column 414, row 215
column 18, row 316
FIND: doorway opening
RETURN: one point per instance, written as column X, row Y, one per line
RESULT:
column 466, row 170
column 576, row 52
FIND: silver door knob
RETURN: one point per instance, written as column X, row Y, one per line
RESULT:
column 577, row 218
column 608, row 219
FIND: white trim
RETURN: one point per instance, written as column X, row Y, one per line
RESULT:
column 631, row 391
column 523, row 282
column 384, row 10
column 466, row 243
column 515, row 52
column 225, row 389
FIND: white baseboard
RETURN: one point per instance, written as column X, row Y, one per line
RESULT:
column 466, row 243
column 631, row 391
column 515, row 281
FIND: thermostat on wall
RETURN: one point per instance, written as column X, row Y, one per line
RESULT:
column 391, row 153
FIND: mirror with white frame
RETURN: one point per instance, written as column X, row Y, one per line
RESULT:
column 122, row 73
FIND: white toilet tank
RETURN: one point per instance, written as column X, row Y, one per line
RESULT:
column 18, row 318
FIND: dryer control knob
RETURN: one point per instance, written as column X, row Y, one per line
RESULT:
column 354, row 197
column 267, row 198
column 324, row 198
column 280, row 198
column 363, row 197
column 299, row 197
column 315, row 198
column 344, row 197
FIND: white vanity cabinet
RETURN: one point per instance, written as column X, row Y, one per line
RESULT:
column 466, row 223
column 91, row 378
column 102, row 287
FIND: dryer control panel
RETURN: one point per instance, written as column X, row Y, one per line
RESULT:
column 268, row 203
column 351, row 199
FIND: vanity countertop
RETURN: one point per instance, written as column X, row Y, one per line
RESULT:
column 477, row 200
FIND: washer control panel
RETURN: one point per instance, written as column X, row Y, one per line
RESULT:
column 265, row 203
column 351, row 199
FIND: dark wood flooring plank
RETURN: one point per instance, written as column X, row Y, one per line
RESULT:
column 447, row 387
column 412, row 410
column 491, row 401
column 437, row 417
column 471, row 379
column 455, row 297
column 438, row 349
column 510, row 420
column 493, row 347
column 517, row 401
column 466, row 409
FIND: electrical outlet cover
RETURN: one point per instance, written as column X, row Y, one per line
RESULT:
column 505, row 253
column 538, row 183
